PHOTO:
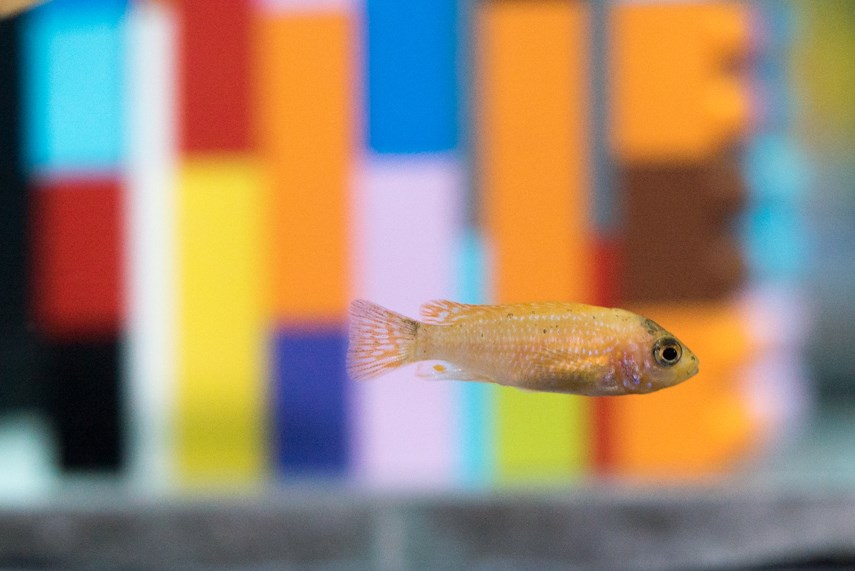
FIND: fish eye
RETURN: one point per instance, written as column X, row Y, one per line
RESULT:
column 667, row 351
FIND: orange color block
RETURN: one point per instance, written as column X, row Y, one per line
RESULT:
column 534, row 170
column 305, row 127
column 678, row 92
column 702, row 425
column 532, row 131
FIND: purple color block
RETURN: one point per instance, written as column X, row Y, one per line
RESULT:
column 408, row 216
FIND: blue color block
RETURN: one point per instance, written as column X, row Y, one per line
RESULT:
column 73, row 85
column 412, row 75
column 310, row 402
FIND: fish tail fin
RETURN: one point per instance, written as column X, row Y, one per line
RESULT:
column 380, row 340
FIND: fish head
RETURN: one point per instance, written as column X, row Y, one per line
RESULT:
column 664, row 360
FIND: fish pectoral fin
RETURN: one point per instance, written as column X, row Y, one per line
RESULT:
column 550, row 363
column 444, row 371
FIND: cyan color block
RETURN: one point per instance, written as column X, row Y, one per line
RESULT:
column 412, row 75
column 310, row 401
column 774, row 229
column 776, row 245
column 477, row 400
column 73, row 85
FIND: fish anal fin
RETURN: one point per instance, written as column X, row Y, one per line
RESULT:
column 444, row 371
column 443, row 311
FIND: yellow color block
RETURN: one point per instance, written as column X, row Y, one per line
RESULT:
column 306, row 105
column 678, row 92
column 221, row 417
column 532, row 132
column 542, row 438
column 699, row 426
column 825, row 42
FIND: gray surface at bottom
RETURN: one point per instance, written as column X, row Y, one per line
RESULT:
column 338, row 529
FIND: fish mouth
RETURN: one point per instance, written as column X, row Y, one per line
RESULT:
column 694, row 370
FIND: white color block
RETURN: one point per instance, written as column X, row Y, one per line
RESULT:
column 28, row 459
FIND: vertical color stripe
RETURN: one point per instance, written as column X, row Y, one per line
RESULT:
column 606, row 207
column 214, row 45
column 13, row 188
column 477, row 400
column 306, row 112
column 20, row 356
column 74, row 85
column 532, row 131
column 221, row 341
column 150, row 245
column 778, row 28
column 407, row 220
column 309, row 401
column 412, row 75
column 11, row 97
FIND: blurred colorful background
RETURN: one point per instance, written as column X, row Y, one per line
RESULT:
column 191, row 191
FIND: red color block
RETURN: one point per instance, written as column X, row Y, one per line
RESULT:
column 214, row 74
column 607, row 268
column 602, row 445
column 77, row 257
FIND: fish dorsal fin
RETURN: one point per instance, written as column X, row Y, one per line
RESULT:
column 444, row 311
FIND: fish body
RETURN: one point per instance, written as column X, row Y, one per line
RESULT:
column 10, row 8
column 556, row 347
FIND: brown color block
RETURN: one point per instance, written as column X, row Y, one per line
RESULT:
column 680, row 234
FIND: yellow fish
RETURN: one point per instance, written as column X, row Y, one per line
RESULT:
column 11, row 7
column 556, row 347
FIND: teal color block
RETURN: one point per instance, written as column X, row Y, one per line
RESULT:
column 74, row 55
